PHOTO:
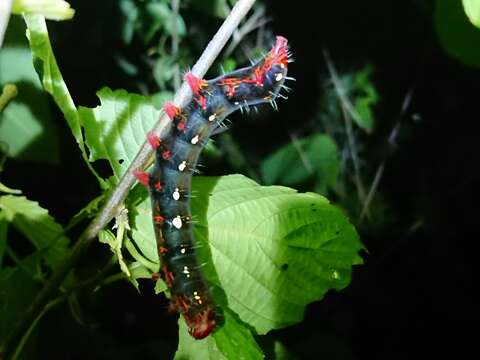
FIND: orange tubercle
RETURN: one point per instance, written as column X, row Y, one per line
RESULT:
column 142, row 177
column 154, row 140
column 195, row 83
column 171, row 110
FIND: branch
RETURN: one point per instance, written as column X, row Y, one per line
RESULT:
column 5, row 11
column 109, row 209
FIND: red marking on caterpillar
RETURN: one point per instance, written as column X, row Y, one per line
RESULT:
column 171, row 110
column 195, row 83
column 166, row 154
column 154, row 140
column 142, row 177
column 158, row 219
column 170, row 179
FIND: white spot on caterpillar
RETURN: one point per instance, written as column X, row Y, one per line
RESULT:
column 212, row 117
column 279, row 76
column 177, row 222
column 182, row 165
column 176, row 194
column 183, row 250
column 236, row 103
column 195, row 138
column 186, row 271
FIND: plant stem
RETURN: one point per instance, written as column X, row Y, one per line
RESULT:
column 116, row 198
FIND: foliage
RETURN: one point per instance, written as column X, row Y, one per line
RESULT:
column 269, row 250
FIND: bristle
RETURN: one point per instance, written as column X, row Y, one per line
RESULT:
column 195, row 83
column 171, row 110
column 154, row 140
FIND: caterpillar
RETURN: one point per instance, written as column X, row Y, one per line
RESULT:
column 169, row 180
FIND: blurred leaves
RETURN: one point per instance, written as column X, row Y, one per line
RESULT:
column 458, row 37
column 26, row 123
column 472, row 9
column 314, row 158
column 50, row 9
column 34, row 222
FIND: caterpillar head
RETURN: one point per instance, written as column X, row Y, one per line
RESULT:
column 260, row 82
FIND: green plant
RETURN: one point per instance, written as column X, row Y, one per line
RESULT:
column 287, row 248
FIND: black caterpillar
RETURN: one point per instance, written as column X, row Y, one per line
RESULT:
column 169, row 181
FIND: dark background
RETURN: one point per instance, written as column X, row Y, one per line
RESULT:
column 415, row 295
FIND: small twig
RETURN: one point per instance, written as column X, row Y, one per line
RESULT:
column 5, row 11
column 109, row 209
column 391, row 142
column 339, row 88
column 354, row 154
column 347, row 111
column 253, row 22
column 235, row 157
column 301, row 153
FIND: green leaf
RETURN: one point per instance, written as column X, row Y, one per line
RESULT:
column 129, row 11
column 218, row 8
column 26, row 123
column 116, row 129
column 232, row 341
column 472, row 9
column 457, row 36
column 17, row 290
column 161, row 16
column 164, row 70
column 6, row 189
column 366, row 99
column 36, row 225
column 52, row 80
column 316, row 156
column 51, row 9
column 274, row 250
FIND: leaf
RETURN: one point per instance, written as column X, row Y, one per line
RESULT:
column 107, row 237
column 316, row 156
column 161, row 16
column 17, row 290
column 366, row 99
column 457, row 36
column 129, row 11
column 274, row 250
column 116, row 129
column 26, row 124
column 52, row 80
column 36, row 225
column 472, row 9
column 51, row 9
column 232, row 341
column 6, row 189
column 217, row 8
